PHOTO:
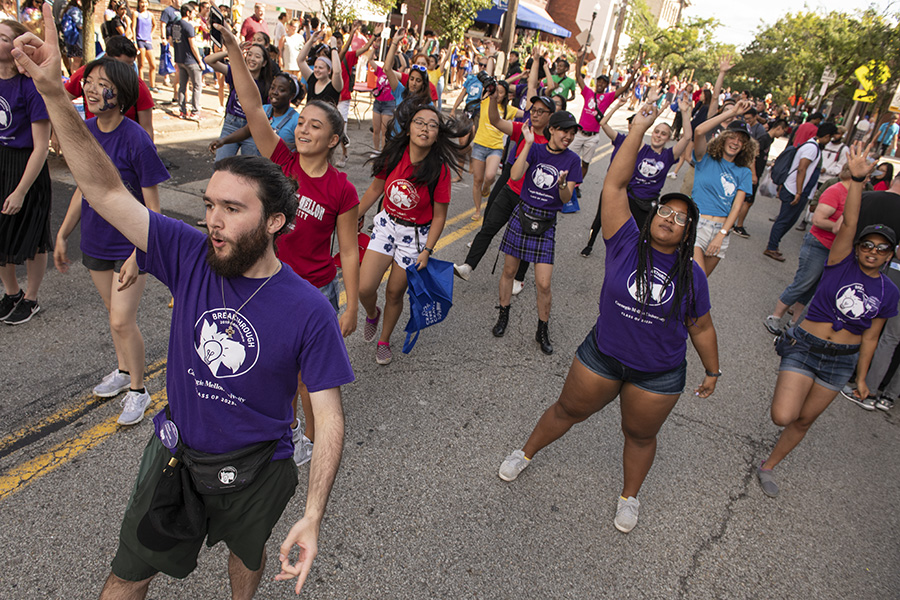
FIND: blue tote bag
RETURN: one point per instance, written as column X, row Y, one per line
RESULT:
column 430, row 297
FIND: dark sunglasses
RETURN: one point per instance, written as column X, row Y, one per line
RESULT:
column 869, row 245
column 681, row 219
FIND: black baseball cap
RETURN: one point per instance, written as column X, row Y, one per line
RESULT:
column 740, row 127
column 827, row 128
column 606, row 77
column 550, row 104
column 882, row 230
column 562, row 119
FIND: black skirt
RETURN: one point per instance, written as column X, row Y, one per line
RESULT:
column 26, row 233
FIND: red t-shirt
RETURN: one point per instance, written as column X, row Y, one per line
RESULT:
column 251, row 26
column 306, row 248
column 404, row 79
column 144, row 100
column 835, row 196
column 805, row 132
column 412, row 202
column 348, row 64
column 516, row 185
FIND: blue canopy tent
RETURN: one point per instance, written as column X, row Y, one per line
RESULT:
column 525, row 17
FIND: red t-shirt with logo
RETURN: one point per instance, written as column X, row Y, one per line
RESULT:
column 412, row 201
column 516, row 185
column 348, row 64
column 306, row 248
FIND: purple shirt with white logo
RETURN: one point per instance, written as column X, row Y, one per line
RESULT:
column 233, row 105
column 226, row 391
column 131, row 150
column 650, row 172
column 20, row 106
column 541, row 184
column 646, row 339
column 849, row 299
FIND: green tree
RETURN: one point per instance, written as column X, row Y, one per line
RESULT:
column 450, row 19
column 338, row 12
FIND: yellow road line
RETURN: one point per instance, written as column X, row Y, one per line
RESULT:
column 153, row 371
column 20, row 476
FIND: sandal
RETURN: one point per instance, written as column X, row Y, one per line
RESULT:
column 383, row 354
column 371, row 327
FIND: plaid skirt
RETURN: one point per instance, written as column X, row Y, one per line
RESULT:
column 530, row 248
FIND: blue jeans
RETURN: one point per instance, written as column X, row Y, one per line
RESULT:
column 786, row 218
column 247, row 147
column 813, row 255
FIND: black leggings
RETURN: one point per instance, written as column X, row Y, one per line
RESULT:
column 640, row 215
column 500, row 206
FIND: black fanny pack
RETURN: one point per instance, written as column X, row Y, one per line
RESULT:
column 534, row 225
column 177, row 511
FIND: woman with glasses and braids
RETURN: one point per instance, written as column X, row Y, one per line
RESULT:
column 841, row 329
column 653, row 297
column 413, row 173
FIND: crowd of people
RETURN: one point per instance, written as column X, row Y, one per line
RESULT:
column 274, row 212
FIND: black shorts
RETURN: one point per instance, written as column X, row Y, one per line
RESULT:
column 243, row 520
column 101, row 264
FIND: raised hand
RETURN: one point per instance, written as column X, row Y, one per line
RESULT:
column 741, row 107
column 527, row 133
column 378, row 29
column 684, row 103
column 726, row 63
column 40, row 61
column 645, row 116
column 857, row 160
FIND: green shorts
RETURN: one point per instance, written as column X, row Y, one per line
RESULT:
column 244, row 519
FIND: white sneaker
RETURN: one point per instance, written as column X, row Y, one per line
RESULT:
column 135, row 403
column 303, row 447
column 514, row 464
column 113, row 384
column 518, row 286
column 462, row 271
column 627, row 514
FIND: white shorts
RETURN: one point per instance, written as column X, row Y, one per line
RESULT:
column 585, row 146
column 344, row 108
column 706, row 231
column 399, row 241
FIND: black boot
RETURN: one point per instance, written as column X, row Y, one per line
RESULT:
column 502, row 321
column 542, row 337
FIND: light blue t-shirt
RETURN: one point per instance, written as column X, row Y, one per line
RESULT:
column 473, row 88
column 716, row 183
column 284, row 125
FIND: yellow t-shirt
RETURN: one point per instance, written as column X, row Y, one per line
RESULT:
column 434, row 76
column 488, row 135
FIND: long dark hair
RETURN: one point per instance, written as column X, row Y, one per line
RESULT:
column 682, row 271
column 888, row 173
column 424, row 94
column 444, row 153
column 266, row 72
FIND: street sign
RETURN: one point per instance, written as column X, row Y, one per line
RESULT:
column 869, row 72
column 403, row 9
column 828, row 76
column 864, row 96
column 584, row 38
column 895, row 101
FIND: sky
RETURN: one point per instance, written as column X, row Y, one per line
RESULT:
column 739, row 24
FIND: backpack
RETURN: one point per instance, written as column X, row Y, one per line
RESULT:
column 781, row 168
column 71, row 35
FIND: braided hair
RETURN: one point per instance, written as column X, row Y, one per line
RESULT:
column 682, row 271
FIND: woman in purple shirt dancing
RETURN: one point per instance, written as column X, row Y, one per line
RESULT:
column 653, row 297
column 841, row 329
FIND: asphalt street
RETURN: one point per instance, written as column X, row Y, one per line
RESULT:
column 417, row 510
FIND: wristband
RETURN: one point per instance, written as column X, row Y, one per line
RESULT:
column 711, row 374
column 858, row 179
column 430, row 250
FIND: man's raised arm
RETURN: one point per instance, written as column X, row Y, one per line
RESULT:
column 94, row 172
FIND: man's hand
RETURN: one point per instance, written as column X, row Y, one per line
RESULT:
column 41, row 61
column 305, row 534
column 726, row 63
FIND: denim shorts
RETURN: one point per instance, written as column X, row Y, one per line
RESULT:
column 831, row 372
column 144, row 45
column 384, row 107
column 664, row 382
column 706, row 231
column 331, row 293
column 101, row 264
column 481, row 153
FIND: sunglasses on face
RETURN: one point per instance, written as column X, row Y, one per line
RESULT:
column 419, row 68
column 869, row 246
column 681, row 219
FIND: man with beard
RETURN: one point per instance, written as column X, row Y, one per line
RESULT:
column 242, row 329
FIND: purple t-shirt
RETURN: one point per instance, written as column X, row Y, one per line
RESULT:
column 20, row 106
column 131, row 150
column 227, row 393
column 540, row 187
column 594, row 107
column 233, row 105
column 849, row 299
column 644, row 339
column 650, row 172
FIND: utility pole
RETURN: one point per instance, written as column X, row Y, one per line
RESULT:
column 620, row 25
column 509, row 27
column 424, row 20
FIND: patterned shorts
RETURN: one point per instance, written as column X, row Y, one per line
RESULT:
column 398, row 241
column 530, row 248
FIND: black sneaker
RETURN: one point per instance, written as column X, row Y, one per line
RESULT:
column 23, row 312
column 740, row 231
column 8, row 303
